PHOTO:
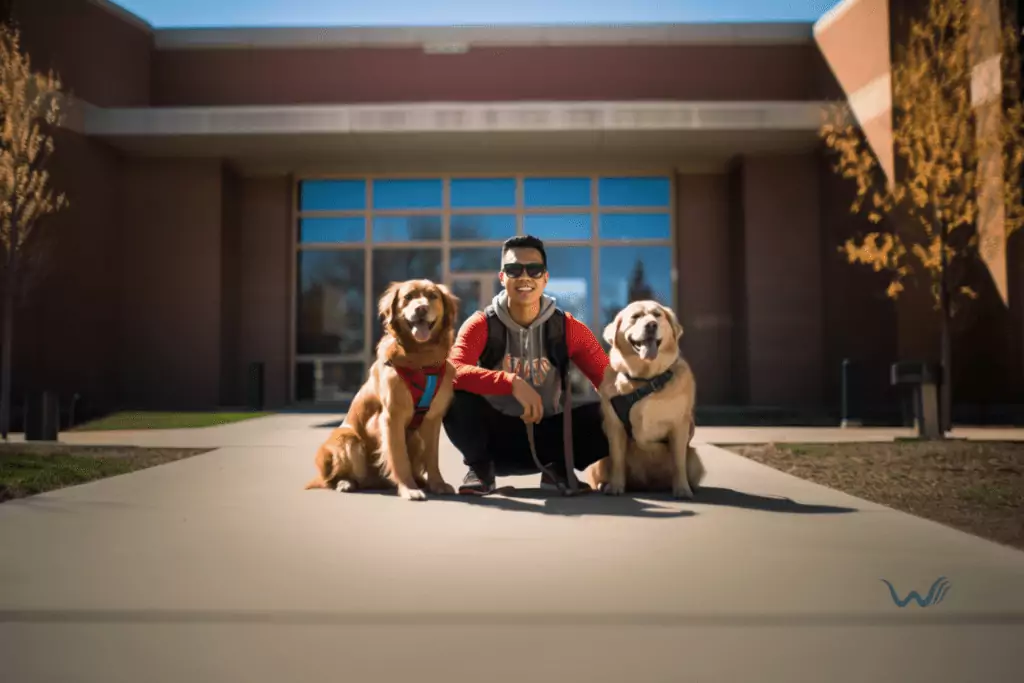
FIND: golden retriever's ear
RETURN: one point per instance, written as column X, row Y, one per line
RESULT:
column 387, row 303
column 677, row 329
column 451, row 304
column 612, row 330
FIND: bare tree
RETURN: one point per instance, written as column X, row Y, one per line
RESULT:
column 955, row 196
column 29, row 109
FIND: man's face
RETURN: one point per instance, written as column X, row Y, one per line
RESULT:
column 523, row 275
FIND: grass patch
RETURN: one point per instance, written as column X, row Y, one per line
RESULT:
column 160, row 420
column 974, row 486
column 27, row 470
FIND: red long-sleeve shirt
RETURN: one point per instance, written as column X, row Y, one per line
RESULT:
column 584, row 351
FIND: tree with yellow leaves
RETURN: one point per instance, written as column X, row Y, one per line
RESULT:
column 29, row 109
column 954, row 194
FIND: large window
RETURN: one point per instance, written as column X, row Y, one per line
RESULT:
column 609, row 241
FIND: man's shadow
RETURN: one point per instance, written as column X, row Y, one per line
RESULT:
column 639, row 505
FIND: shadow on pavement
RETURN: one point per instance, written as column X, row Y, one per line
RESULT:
column 588, row 504
column 647, row 505
column 712, row 495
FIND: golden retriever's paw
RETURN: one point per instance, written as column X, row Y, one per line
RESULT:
column 411, row 494
column 614, row 488
column 345, row 486
column 682, row 491
column 441, row 488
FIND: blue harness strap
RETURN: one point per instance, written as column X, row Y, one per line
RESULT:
column 428, row 392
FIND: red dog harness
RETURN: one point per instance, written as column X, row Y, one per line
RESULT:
column 422, row 384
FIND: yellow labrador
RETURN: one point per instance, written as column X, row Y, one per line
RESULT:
column 647, row 400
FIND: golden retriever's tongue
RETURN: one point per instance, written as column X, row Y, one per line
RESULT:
column 648, row 349
column 421, row 331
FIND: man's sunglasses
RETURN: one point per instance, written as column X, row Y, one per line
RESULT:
column 514, row 270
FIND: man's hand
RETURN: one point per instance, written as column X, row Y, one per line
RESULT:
column 533, row 406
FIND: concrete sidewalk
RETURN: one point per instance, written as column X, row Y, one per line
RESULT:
column 221, row 568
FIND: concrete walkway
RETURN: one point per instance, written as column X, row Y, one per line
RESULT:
column 221, row 568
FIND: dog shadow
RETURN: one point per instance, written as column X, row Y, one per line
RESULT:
column 588, row 504
column 644, row 505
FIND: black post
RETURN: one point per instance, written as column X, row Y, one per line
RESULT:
column 256, row 399
column 845, row 397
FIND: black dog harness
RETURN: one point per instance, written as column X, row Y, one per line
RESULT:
column 624, row 403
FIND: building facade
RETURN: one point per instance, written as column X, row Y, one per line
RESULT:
column 243, row 196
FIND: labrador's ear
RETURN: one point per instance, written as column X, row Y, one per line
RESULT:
column 388, row 303
column 451, row 305
column 677, row 329
column 612, row 329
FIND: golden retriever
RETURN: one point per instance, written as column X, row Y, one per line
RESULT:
column 388, row 440
column 645, row 358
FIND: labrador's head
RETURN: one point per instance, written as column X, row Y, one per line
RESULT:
column 644, row 339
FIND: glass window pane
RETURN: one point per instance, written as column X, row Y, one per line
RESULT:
column 406, row 228
column 467, row 193
column 634, row 191
column 469, row 227
column 632, row 274
column 330, row 302
column 327, row 380
column 556, row 192
column 562, row 226
column 624, row 226
column 332, row 195
column 397, row 265
column 470, row 296
column 475, row 259
column 407, row 193
column 570, row 280
column 347, row 229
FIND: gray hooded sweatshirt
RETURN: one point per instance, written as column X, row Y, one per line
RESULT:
column 526, row 356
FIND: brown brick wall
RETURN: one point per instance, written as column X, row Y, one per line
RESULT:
column 100, row 57
column 287, row 76
column 171, row 287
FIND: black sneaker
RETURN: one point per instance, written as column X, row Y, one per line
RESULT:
column 479, row 481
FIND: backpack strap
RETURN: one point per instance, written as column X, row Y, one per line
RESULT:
column 557, row 346
column 493, row 351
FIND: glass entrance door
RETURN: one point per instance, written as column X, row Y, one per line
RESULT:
column 475, row 292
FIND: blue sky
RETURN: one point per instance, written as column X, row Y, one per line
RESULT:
column 197, row 13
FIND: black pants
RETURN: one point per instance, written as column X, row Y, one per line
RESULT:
column 481, row 433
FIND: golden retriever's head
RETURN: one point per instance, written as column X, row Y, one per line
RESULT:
column 417, row 311
column 644, row 339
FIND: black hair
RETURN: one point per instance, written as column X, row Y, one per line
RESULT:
column 525, row 242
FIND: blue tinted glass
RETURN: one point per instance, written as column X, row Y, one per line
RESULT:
column 332, row 195
column 570, row 280
column 564, row 226
column 407, row 193
column 634, row 191
column 556, row 192
column 330, row 301
column 475, row 259
column 468, row 193
column 632, row 274
column 466, row 227
column 640, row 226
column 347, row 229
column 406, row 228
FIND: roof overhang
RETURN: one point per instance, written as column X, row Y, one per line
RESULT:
column 458, row 133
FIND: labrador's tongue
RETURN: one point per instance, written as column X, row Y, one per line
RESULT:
column 648, row 349
column 421, row 331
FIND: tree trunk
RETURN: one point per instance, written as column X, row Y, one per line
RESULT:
column 946, row 340
column 5, row 361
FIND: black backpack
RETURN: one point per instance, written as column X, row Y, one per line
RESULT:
column 555, row 343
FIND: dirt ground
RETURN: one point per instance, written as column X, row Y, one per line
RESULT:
column 974, row 486
column 28, row 469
